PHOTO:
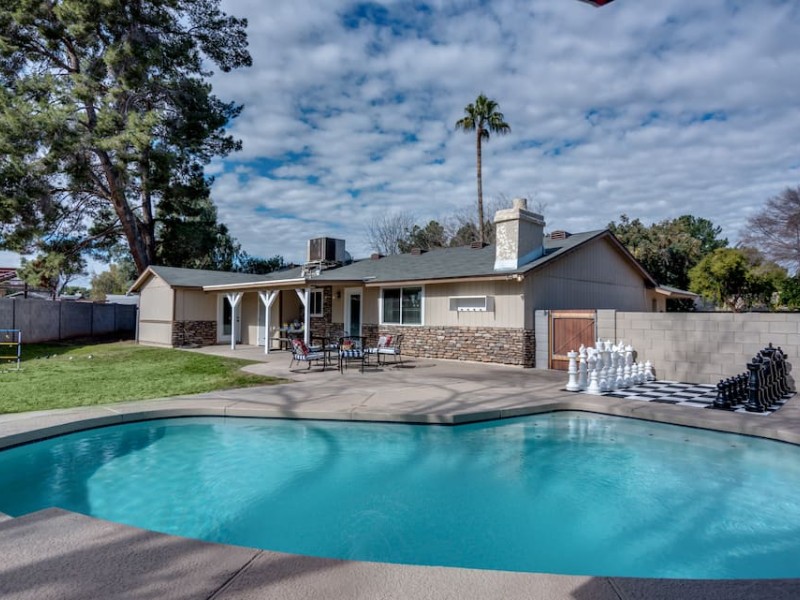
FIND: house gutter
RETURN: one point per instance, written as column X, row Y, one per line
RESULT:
column 518, row 277
column 255, row 285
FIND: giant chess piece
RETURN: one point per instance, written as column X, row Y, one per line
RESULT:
column 602, row 379
column 722, row 400
column 753, row 403
column 648, row 371
column 594, row 386
column 583, row 373
column 787, row 369
column 572, row 370
column 781, row 363
column 607, row 354
column 620, row 382
column 599, row 347
column 640, row 373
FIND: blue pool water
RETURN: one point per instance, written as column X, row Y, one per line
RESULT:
column 560, row 493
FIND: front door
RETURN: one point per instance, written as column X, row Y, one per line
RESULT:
column 352, row 311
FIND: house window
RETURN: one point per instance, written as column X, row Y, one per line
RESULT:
column 315, row 303
column 402, row 306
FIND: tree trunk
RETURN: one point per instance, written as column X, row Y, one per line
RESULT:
column 481, row 236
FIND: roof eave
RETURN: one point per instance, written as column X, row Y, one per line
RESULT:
column 140, row 281
column 515, row 276
column 675, row 293
column 232, row 287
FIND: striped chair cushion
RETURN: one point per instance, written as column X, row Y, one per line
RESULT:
column 310, row 356
column 352, row 353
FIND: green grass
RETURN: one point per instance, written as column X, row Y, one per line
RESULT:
column 66, row 375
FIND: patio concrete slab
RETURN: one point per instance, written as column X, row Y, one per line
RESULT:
column 54, row 554
column 295, row 577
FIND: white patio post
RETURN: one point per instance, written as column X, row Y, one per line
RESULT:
column 304, row 294
column 234, row 300
column 268, row 298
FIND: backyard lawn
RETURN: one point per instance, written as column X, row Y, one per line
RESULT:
column 65, row 375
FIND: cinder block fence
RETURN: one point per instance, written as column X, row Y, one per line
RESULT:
column 695, row 347
column 44, row 320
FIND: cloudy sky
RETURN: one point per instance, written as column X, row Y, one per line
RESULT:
column 649, row 108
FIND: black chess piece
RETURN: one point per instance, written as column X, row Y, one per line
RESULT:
column 722, row 400
column 753, row 403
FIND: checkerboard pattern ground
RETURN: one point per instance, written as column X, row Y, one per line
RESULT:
column 683, row 394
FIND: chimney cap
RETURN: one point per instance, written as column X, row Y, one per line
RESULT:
column 520, row 203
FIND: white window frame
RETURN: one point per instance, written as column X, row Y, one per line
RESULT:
column 311, row 302
column 421, row 307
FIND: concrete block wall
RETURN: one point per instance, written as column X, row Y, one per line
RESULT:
column 44, row 320
column 37, row 319
column 103, row 319
column 702, row 347
column 541, row 325
column 76, row 319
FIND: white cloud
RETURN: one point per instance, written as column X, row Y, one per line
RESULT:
column 9, row 259
column 607, row 110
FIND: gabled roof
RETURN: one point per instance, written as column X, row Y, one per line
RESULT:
column 448, row 263
column 197, row 278
column 673, row 292
column 442, row 264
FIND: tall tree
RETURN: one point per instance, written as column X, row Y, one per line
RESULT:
column 483, row 118
column 668, row 249
column 113, row 281
column 429, row 237
column 258, row 266
column 775, row 229
column 104, row 110
column 385, row 231
column 737, row 278
column 189, row 233
column 52, row 272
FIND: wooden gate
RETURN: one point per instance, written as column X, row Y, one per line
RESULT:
column 568, row 330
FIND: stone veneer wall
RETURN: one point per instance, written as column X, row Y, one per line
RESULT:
column 503, row 345
column 201, row 333
column 319, row 325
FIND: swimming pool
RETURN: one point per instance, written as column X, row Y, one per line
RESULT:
column 561, row 493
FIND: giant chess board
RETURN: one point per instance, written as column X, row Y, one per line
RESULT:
column 683, row 394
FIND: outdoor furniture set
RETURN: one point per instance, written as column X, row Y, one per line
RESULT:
column 347, row 350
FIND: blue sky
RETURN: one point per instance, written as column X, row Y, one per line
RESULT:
column 652, row 109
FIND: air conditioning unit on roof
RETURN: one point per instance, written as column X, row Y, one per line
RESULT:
column 326, row 250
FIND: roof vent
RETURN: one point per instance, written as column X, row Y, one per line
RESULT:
column 560, row 235
column 376, row 256
column 477, row 245
column 417, row 251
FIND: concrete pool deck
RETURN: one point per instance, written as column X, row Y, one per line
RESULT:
column 57, row 554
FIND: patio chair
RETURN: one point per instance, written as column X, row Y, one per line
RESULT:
column 351, row 349
column 388, row 345
column 301, row 353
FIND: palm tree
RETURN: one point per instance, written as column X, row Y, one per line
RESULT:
column 483, row 118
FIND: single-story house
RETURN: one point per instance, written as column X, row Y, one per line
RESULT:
column 469, row 303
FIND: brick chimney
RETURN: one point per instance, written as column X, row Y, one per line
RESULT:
column 519, row 236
